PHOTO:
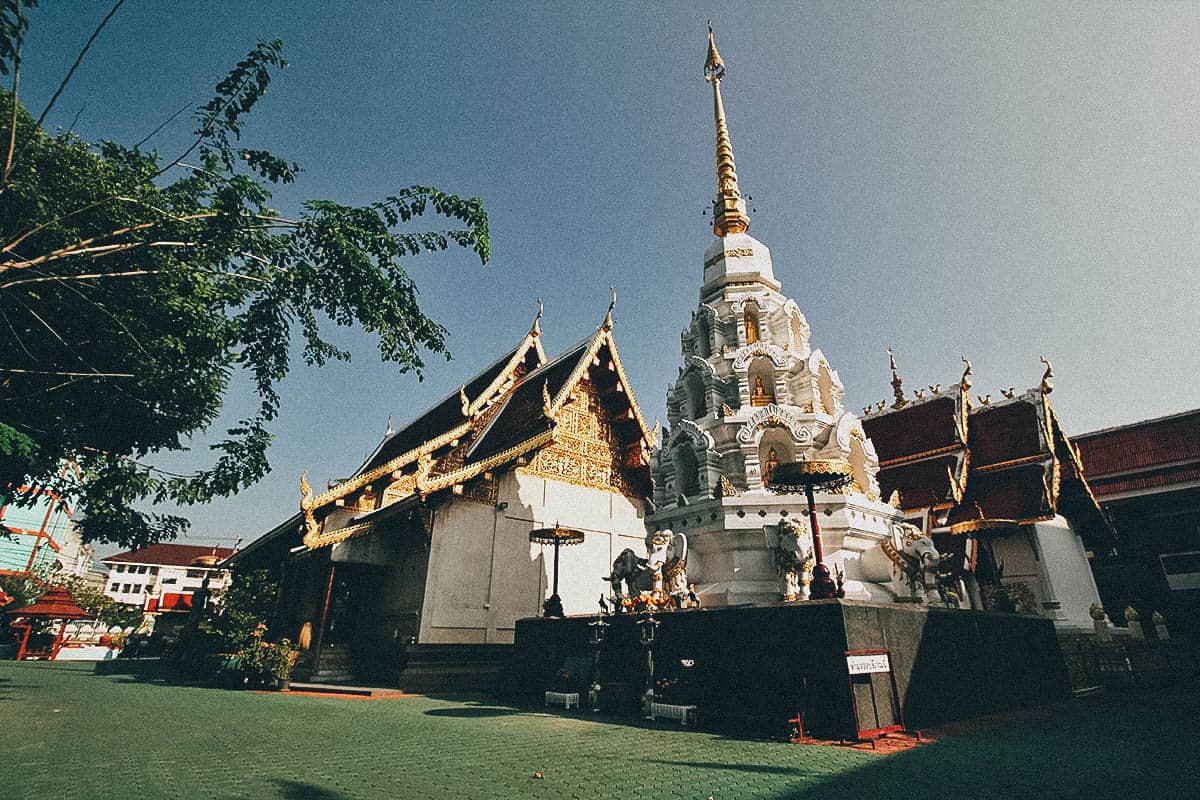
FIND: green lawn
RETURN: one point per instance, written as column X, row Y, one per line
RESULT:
column 67, row 732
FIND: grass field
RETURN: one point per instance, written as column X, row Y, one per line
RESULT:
column 67, row 732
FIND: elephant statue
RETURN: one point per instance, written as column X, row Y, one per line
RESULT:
column 630, row 569
column 907, row 559
column 793, row 560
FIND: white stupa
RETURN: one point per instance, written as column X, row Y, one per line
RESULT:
column 753, row 393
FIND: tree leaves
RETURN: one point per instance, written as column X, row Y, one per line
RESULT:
column 175, row 274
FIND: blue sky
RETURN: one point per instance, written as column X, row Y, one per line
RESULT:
column 1004, row 181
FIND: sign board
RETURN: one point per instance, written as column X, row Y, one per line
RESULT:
column 866, row 663
column 874, row 701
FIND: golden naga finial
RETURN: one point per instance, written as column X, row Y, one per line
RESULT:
column 608, row 320
column 466, row 401
column 536, row 329
column 306, row 492
column 1047, row 383
column 729, row 209
column 547, row 401
column 965, row 383
column 897, row 383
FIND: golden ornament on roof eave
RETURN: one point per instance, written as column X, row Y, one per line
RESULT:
column 821, row 474
column 984, row 525
column 556, row 535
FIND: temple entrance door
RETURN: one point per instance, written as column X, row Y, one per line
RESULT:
column 347, row 644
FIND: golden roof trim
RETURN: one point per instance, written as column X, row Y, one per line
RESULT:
column 469, row 471
column 353, row 484
column 938, row 451
column 1012, row 463
column 534, row 339
column 336, row 536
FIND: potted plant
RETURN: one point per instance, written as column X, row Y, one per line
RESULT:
column 281, row 662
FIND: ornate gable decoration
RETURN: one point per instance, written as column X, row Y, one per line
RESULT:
column 774, row 416
column 748, row 352
column 701, row 440
column 584, row 450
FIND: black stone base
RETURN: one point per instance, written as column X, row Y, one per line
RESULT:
column 750, row 669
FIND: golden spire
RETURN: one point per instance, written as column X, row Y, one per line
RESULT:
column 729, row 209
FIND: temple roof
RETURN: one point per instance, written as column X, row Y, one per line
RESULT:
column 1010, row 460
column 507, row 411
column 521, row 418
column 1153, row 454
column 449, row 412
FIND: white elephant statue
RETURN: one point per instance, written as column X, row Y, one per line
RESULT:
column 908, row 559
column 792, row 553
column 666, row 556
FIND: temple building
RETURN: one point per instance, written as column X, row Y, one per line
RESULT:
column 1146, row 476
column 752, row 393
column 429, row 539
column 1000, row 489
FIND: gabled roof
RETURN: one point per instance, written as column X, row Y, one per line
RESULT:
column 512, row 416
column 522, row 416
column 1153, row 454
column 1010, row 460
column 451, row 418
column 171, row 555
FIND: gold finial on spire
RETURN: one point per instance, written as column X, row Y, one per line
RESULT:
column 536, row 330
column 965, row 383
column 608, row 320
column 897, row 383
column 729, row 209
column 1047, row 384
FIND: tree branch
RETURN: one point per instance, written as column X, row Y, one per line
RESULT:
column 12, row 129
column 16, row 371
column 78, row 61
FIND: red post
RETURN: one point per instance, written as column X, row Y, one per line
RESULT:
column 822, row 586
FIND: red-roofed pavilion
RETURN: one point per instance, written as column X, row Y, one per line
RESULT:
column 56, row 605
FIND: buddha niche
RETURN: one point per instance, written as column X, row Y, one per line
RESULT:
column 770, row 465
column 751, row 327
column 759, row 396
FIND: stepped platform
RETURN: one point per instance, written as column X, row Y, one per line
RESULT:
column 752, row 670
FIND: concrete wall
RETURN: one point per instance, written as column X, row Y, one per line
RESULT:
column 484, row 574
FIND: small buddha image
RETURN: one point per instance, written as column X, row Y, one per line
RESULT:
column 751, row 328
column 770, row 465
column 759, row 396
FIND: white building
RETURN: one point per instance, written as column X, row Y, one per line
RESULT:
column 164, row 577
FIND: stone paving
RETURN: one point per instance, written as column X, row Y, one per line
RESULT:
column 67, row 732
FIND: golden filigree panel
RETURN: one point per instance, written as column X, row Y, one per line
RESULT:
column 585, row 450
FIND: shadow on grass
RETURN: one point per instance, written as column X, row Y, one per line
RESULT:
column 757, row 768
column 472, row 712
column 298, row 790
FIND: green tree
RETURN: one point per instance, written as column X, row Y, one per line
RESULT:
column 134, row 286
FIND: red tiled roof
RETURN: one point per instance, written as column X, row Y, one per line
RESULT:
column 176, row 555
column 56, row 603
column 921, row 483
column 1018, row 493
column 1140, row 446
column 917, row 429
column 1004, row 433
column 1156, row 479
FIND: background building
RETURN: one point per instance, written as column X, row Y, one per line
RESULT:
column 41, row 535
column 1146, row 476
column 165, row 577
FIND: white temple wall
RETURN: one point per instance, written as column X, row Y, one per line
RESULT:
column 1067, row 574
column 484, row 574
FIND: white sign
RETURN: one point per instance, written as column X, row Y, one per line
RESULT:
column 864, row 664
